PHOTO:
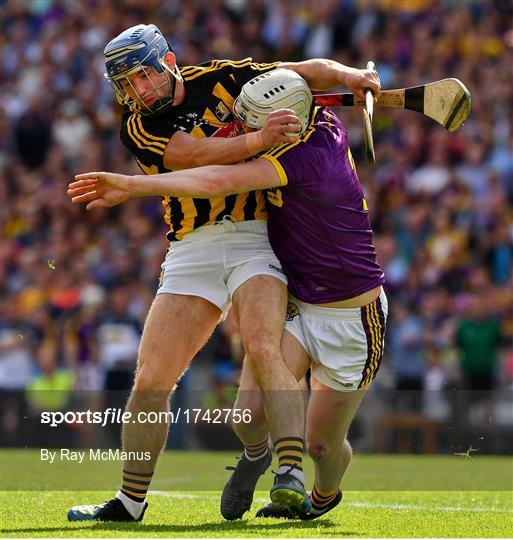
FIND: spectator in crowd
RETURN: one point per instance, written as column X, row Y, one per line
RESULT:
column 118, row 334
column 50, row 390
column 435, row 404
column 478, row 336
column 17, row 368
column 406, row 353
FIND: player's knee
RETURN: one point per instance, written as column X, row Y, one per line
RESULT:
column 320, row 448
column 147, row 380
column 265, row 361
column 262, row 352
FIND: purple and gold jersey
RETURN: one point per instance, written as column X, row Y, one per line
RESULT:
column 319, row 223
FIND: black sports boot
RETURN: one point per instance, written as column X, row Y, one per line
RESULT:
column 238, row 492
column 272, row 510
column 113, row 510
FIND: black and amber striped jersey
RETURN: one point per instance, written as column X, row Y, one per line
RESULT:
column 211, row 89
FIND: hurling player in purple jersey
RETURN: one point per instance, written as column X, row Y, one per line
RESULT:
column 320, row 230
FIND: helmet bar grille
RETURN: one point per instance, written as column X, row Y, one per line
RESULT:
column 277, row 89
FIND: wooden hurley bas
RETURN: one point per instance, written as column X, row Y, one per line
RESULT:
column 447, row 101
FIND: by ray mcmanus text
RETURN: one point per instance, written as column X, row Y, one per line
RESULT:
column 92, row 454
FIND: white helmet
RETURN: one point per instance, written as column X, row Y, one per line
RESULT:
column 277, row 89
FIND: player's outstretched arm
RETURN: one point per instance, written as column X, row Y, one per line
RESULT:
column 105, row 189
column 185, row 151
column 323, row 74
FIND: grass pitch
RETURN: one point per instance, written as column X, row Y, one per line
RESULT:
column 181, row 507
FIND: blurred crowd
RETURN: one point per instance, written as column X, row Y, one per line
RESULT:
column 76, row 285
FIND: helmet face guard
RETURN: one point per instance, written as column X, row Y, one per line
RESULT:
column 277, row 89
column 140, row 49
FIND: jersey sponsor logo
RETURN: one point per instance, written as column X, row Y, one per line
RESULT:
column 189, row 121
column 274, row 197
column 292, row 311
column 233, row 129
column 222, row 111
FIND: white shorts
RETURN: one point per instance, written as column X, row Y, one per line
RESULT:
column 215, row 260
column 344, row 345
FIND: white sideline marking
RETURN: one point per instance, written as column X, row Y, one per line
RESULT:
column 420, row 507
column 353, row 504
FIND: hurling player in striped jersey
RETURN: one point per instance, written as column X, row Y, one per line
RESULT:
column 320, row 230
column 219, row 253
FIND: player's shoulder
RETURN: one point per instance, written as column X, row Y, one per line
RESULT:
column 213, row 67
column 135, row 120
column 329, row 126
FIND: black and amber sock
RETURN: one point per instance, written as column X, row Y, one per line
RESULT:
column 135, row 485
column 290, row 453
column 321, row 499
column 256, row 451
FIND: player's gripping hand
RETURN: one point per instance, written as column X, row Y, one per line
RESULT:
column 281, row 126
column 100, row 189
column 358, row 80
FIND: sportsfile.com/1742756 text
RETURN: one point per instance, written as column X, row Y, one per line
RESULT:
column 118, row 416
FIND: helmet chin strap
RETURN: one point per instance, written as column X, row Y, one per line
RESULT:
column 173, row 90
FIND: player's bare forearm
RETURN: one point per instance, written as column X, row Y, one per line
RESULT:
column 323, row 74
column 105, row 189
column 207, row 182
column 187, row 154
column 200, row 183
column 185, row 151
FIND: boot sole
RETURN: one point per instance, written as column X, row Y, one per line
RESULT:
column 294, row 501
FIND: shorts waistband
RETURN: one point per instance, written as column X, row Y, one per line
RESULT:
column 348, row 314
column 226, row 225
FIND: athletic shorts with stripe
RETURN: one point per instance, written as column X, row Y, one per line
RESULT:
column 344, row 345
column 213, row 261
